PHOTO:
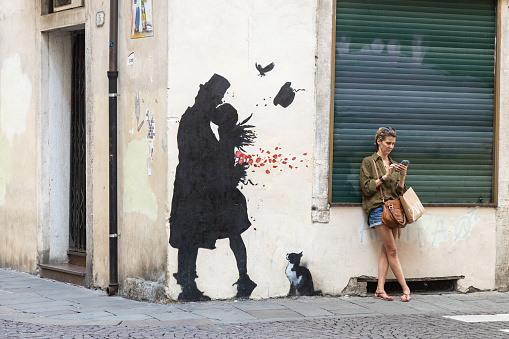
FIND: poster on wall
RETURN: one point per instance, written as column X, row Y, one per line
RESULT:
column 141, row 19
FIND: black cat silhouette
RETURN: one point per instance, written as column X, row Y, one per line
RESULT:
column 299, row 276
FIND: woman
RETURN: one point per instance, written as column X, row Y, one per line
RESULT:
column 392, row 178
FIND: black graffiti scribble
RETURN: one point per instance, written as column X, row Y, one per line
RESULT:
column 207, row 205
column 265, row 69
column 247, row 182
column 285, row 95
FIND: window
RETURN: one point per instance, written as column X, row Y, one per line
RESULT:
column 426, row 69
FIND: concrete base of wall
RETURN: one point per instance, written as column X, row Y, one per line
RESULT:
column 142, row 290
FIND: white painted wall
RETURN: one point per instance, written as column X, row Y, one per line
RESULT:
column 59, row 100
column 18, row 98
column 228, row 40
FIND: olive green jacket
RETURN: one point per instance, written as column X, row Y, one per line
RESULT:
column 371, row 197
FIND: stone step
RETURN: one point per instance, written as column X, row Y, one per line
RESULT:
column 77, row 258
column 69, row 273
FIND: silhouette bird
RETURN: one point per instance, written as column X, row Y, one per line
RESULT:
column 265, row 69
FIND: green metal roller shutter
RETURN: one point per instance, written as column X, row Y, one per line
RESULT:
column 426, row 68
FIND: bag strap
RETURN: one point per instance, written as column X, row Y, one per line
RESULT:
column 376, row 170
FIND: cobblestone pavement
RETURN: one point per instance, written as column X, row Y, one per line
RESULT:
column 412, row 326
column 31, row 307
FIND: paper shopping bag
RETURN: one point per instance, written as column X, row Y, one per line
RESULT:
column 411, row 205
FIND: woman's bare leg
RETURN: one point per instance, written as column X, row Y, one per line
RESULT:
column 391, row 254
column 383, row 268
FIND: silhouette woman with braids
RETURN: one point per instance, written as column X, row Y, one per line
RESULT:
column 207, row 205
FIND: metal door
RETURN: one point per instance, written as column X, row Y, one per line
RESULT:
column 77, row 215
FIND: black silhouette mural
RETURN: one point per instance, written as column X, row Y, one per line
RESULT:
column 265, row 69
column 300, row 278
column 285, row 95
column 207, row 205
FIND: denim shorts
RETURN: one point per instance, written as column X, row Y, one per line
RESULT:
column 375, row 217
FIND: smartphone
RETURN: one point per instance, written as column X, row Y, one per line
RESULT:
column 404, row 163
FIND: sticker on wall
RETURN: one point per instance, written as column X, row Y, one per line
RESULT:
column 262, row 70
column 137, row 107
column 151, row 134
column 207, row 205
column 164, row 144
column 131, row 59
column 286, row 95
column 142, row 24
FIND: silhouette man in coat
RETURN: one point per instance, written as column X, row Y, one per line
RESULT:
column 207, row 205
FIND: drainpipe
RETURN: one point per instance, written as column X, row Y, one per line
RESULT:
column 112, row 84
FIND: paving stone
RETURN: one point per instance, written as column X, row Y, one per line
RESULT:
column 308, row 310
column 176, row 316
column 275, row 314
column 43, row 306
column 451, row 304
column 53, row 313
column 256, row 305
column 354, row 312
column 149, row 310
column 191, row 306
column 6, row 310
column 423, row 307
column 18, row 316
column 99, row 315
column 225, row 314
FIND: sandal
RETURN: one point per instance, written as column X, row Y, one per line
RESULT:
column 382, row 296
column 405, row 297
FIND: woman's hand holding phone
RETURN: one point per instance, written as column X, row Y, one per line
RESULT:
column 401, row 167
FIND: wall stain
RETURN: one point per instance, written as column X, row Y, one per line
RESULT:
column 430, row 229
column 15, row 97
column 5, row 166
column 138, row 196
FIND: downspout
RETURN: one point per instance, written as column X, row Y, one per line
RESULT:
column 112, row 85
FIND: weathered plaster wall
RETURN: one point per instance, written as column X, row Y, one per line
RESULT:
column 161, row 76
column 141, row 172
column 448, row 236
column 18, row 88
column 96, row 41
column 229, row 41
column 59, row 125
column 442, row 243
column 502, row 215
column 142, row 148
